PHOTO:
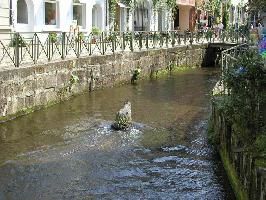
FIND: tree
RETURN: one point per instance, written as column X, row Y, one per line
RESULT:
column 257, row 5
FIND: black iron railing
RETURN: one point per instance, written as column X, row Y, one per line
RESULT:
column 18, row 49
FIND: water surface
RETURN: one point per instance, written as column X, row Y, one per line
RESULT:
column 69, row 151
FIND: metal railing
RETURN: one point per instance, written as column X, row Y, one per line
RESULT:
column 18, row 49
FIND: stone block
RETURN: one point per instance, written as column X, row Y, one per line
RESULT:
column 62, row 78
column 50, row 81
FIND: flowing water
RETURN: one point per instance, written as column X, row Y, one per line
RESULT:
column 69, row 151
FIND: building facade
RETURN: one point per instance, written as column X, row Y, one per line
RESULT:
column 185, row 15
column 5, row 16
column 58, row 15
column 66, row 15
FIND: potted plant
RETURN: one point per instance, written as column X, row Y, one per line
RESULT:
column 79, row 37
column 53, row 37
column 17, row 41
column 96, row 32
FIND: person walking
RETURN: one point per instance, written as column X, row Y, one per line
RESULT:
column 221, row 27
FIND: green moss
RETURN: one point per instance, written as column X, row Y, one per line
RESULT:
column 213, row 137
column 171, row 69
column 26, row 111
column 240, row 192
column 260, row 163
column 161, row 73
column 181, row 69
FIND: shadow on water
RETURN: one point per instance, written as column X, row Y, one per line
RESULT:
column 69, row 151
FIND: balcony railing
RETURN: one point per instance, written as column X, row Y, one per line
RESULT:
column 18, row 49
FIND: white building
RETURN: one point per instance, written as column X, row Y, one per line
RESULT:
column 238, row 16
column 58, row 15
column 64, row 15
column 144, row 17
column 5, row 16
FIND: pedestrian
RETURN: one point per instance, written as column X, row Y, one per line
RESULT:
column 221, row 27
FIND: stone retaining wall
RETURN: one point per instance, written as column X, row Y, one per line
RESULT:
column 247, row 180
column 25, row 89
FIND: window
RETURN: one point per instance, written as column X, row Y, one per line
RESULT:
column 22, row 12
column 50, row 12
column 79, row 13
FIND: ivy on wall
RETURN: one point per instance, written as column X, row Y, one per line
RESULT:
column 112, row 8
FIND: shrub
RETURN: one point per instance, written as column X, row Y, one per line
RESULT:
column 241, row 107
column 96, row 31
column 17, row 41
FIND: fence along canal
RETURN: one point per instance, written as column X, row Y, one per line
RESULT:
column 31, row 48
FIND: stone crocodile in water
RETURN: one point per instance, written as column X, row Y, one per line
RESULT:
column 123, row 119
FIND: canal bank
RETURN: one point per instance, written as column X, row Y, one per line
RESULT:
column 237, row 124
column 25, row 89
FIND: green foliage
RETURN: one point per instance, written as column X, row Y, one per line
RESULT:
column 260, row 144
column 171, row 4
column 112, row 8
column 74, row 79
column 80, row 37
column 257, row 5
column 17, row 41
column 53, row 37
column 128, row 3
column 225, row 17
column 213, row 136
column 241, row 107
column 136, row 75
column 96, row 31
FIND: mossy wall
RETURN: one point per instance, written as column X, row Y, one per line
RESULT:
column 25, row 89
column 247, row 177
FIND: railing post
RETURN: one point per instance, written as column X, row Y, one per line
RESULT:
column 123, row 42
column 167, row 39
column 173, row 34
column 191, row 38
column 179, row 38
column 147, row 40
column 140, row 41
column 63, row 49
column 131, row 41
column 49, row 47
column 34, row 48
column 79, row 41
column 90, row 41
column 103, row 42
column 17, row 49
column 197, row 37
column 161, row 39
column 113, row 42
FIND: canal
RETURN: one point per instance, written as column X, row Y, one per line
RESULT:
column 68, row 151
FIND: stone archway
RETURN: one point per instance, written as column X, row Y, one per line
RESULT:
column 97, row 20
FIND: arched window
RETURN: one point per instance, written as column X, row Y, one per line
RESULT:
column 22, row 12
column 97, row 16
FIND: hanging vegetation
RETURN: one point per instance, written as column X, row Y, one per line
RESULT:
column 112, row 8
